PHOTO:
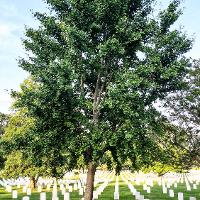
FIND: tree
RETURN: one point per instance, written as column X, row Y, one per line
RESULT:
column 185, row 109
column 16, row 166
column 3, row 124
column 99, row 67
column 19, row 162
column 15, row 163
column 174, row 155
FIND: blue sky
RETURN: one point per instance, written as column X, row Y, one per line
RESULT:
column 15, row 14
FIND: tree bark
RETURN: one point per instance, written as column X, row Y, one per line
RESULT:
column 90, row 181
column 32, row 182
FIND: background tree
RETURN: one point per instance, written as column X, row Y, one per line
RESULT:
column 20, row 162
column 185, row 110
column 3, row 124
column 99, row 67
column 15, row 163
column 17, row 166
column 174, row 152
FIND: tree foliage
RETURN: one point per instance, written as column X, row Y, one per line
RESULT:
column 21, row 161
column 185, row 109
column 3, row 123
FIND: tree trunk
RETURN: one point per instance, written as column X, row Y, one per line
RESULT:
column 32, row 182
column 90, row 182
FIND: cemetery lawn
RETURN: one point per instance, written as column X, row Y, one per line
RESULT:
column 125, row 194
column 34, row 195
column 156, row 192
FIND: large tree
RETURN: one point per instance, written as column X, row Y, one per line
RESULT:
column 99, row 67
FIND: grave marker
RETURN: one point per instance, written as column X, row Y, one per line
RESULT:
column 39, row 188
column 180, row 196
column 14, row 194
column 42, row 196
column 116, row 195
column 171, row 193
column 66, row 196
column 28, row 192
column 26, row 198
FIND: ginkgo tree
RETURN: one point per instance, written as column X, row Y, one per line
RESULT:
column 99, row 66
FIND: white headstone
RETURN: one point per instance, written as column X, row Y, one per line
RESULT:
column 26, row 198
column 24, row 189
column 63, row 191
column 164, row 190
column 148, row 190
column 133, row 190
column 168, row 185
column 95, row 195
column 14, row 194
column 171, row 193
column 66, row 196
column 182, row 180
column 144, row 187
column 141, row 197
column 81, row 191
column 28, row 192
column 55, row 198
column 75, row 186
column 192, row 198
column 194, row 186
column 70, row 188
column 180, row 196
column 39, row 189
column 61, row 186
column 137, row 195
column 188, row 187
column 8, row 188
column 48, row 187
column 54, row 195
column 79, row 185
column 116, row 195
column 42, row 196
column 151, row 183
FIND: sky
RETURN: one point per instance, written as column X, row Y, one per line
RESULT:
column 15, row 14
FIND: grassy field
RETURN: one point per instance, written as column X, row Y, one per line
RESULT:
column 125, row 194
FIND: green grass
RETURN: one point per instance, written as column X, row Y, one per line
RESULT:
column 108, row 193
column 156, row 192
column 35, row 195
